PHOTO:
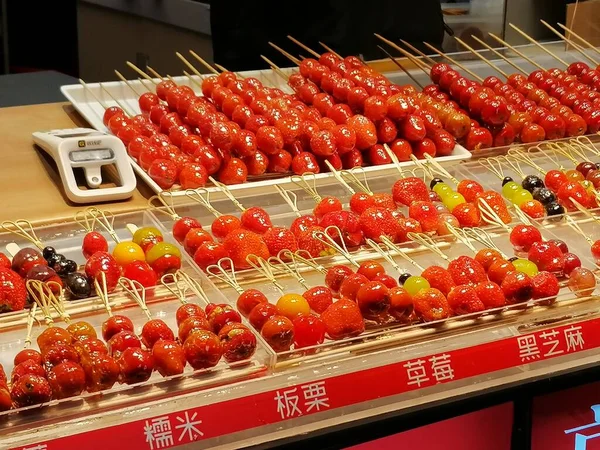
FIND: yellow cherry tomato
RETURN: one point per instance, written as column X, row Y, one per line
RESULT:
column 290, row 305
column 127, row 252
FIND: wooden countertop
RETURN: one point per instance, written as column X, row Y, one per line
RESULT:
column 30, row 184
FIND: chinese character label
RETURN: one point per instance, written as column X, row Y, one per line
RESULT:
column 574, row 338
column 528, row 348
column 416, row 372
column 441, row 368
column 287, row 403
column 188, row 426
column 315, row 396
column 158, row 433
column 551, row 343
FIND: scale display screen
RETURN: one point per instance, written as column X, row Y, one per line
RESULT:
column 101, row 154
column 67, row 136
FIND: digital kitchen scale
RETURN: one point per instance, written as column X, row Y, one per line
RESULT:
column 90, row 151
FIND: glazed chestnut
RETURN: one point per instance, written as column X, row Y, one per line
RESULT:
column 30, row 390
column 203, row 349
column 154, row 330
column 136, row 365
column 114, row 325
column 238, row 342
column 82, row 331
column 66, row 379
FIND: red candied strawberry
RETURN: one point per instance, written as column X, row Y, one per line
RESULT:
column 278, row 239
column 546, row 255
column 319, row 298
column 348, row 223
column 466, row 270
column 376, row 223
column 93, row 242
column 241, row 243
column 182, row 227
column 407, row 190
column 522, row 237
column 469, row 189
column 430, row 304
column 209, row 253
column 4, row 261
column 439, row 278
column 467, row 214
column 343, row 319
column 361, row 201
column 425, row 213
column 256, row 219
column 517, row 287
column 463, row 299
column 223, row 225
column 303, row 223
column 490, row 294
column 336, row 275
column 408, row 225
column 307, row 241
column 384, row 200
column 545, row 285
column 327, row 205
column 496, row 202
column 13, row 293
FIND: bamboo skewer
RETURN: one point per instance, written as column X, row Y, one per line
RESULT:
column 480, row 56
column 126, row 81
column 203, row 62
column 499, row 55
column 141, row 72
column 88, row 89
column 569, row 41
column 118, row 102
column 189, row 65
column 418, row 62
column 308, row 49
column 395, row 61
column 330, row 50
column 192, row 80
column 418, row 52
column 154, row 73
column 507, row 45
column 286, row 54
column 276, row 69
column 456, row 63
column 536, row 43
column 571, row 32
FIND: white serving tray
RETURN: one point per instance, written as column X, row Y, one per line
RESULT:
column 92, row 110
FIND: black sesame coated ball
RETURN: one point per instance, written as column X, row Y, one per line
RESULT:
column 402, row 278
column 532, row 182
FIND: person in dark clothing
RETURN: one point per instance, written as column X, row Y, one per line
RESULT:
column 241, row 31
